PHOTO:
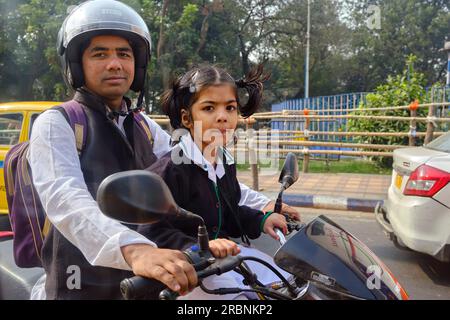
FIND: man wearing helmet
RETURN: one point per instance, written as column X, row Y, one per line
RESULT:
column 104, row 47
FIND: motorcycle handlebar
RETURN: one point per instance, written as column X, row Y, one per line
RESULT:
column 138, row 287
column 143, row 288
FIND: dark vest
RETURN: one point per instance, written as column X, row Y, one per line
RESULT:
column 107, row 151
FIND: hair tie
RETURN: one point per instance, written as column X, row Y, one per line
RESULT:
column 192, row 86
column 241, row 83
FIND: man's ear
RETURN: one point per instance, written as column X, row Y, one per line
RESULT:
column 186, row 119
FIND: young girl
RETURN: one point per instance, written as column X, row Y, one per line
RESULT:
column 201, row 173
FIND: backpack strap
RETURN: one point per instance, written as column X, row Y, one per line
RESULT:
column 143, row 125
column 77, row 119
column 75, row 116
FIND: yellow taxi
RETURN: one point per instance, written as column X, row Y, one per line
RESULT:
column 16, row 121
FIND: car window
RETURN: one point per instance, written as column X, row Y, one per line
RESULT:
column 32, row 118
column 440, row 144
column 10, row 127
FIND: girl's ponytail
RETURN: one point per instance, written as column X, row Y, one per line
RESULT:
column 253, row 83
column 169, row 104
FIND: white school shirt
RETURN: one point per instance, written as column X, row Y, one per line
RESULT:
column 249, row 197
column 193, row 153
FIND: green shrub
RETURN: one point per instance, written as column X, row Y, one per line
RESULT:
column 399, row 90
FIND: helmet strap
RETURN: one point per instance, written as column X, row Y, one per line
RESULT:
column 140, row 100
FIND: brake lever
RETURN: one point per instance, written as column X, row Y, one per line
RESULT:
column 291, row 226
column 282, row 238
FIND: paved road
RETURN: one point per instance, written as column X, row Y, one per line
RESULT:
column 420, row 275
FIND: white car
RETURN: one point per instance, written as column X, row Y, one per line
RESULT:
column 416, row 214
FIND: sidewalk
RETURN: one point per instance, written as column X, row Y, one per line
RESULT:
column 327, row 190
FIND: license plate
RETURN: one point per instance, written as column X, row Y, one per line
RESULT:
column 398, row 181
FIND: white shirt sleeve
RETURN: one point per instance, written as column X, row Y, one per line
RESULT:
column 59, row 181
column 251, row 198
column 161, row 143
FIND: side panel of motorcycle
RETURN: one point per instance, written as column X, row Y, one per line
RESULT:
column 15, row 283
column 324, row 253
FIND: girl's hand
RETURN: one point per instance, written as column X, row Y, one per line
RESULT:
column 220, row 248
column 294, row 214
column 275, row 220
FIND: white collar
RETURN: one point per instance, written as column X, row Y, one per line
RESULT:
column 123, row 106
column 193, row 153
column 121, row 119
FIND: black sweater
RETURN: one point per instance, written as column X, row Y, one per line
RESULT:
column 217, row 205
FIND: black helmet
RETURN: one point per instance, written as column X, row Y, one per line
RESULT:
column 102, row 17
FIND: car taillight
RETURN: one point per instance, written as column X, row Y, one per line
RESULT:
column 5, row 234
column 426, row 181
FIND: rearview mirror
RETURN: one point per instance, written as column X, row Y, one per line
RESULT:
column 136, row 197
column 289, row 173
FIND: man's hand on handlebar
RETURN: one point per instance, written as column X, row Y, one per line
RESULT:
column 275, row 220
column 220, row 248
column 294, row 214
column 167, row 266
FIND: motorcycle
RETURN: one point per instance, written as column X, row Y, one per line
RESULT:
column 325, row 261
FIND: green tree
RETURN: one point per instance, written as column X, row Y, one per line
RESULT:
column 346, row 55
column 29, row 66
column 417, row 27
column 330, row 38
column 399, row 90
column 176, row 28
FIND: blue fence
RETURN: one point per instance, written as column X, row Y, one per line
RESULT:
column 325, row 105
column 341, row 105
column 440, row 94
